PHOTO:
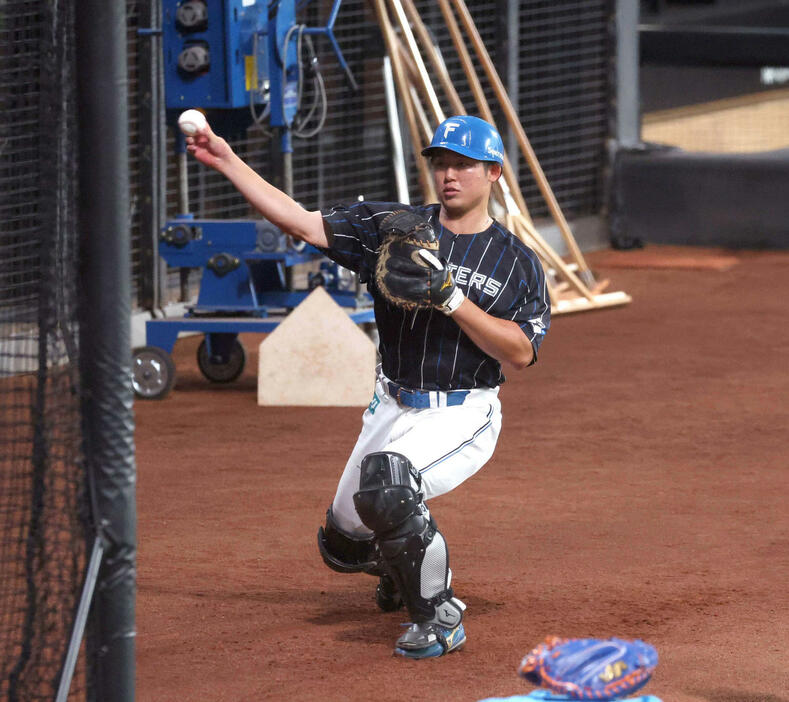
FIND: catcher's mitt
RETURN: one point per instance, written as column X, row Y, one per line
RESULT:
column 590, row 669
column 408, row 272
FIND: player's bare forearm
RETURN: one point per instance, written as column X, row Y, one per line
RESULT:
column 500, row 338
column 276, row 206
column 273, row 204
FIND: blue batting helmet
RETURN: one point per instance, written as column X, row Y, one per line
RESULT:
column 468, row 136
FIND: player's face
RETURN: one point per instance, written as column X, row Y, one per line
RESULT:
column 462, row 184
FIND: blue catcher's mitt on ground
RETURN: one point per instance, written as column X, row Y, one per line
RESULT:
column 590, row 669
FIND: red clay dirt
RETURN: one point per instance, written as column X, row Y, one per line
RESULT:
column 639, row 490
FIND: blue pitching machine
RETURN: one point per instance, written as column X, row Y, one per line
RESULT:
column 237, row 60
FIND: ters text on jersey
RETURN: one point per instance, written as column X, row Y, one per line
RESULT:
column 467, row 277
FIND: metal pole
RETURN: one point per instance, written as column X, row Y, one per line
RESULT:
column 287, row 172
column 80, row 620
column 512, row 73
column 628, row 111
column 102, row 97
column 152, row 140
column 181, row 159
column 401, row 182
column 183, row 180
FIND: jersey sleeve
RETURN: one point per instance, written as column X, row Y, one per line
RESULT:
column 531, row 306
column 354, row 237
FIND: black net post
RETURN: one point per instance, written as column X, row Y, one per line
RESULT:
column 102, row 87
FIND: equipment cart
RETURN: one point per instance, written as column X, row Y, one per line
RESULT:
column 246, row 286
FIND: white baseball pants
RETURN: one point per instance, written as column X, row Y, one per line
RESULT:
column 446, row 445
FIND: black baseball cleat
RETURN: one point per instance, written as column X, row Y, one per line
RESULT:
column 430, row 640
column 387, row 596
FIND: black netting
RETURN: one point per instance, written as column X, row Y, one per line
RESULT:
column 563, row 101
column 43, row 510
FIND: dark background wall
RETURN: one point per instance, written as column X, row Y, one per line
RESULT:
column 673, row 75
column 703, row 58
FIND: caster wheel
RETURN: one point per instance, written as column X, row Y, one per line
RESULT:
column 222, row 372
column 153, row 372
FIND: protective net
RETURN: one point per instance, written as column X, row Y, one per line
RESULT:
column 43, row 506
column 563, row 99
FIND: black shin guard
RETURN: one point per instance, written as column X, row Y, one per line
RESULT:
column 409, row 543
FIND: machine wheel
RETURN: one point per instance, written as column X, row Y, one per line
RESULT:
column 153, row 372
column 220, row 372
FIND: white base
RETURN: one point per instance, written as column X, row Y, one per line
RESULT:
column 317, row 356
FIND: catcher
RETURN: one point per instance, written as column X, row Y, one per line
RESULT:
column 457, row 297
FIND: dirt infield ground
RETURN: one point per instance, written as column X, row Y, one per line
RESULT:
column 639, row 489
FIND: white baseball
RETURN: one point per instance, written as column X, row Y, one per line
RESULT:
column 191, row 121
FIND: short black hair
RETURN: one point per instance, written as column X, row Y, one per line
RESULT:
column 437, row 152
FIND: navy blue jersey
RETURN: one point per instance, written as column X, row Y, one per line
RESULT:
column 426, row 349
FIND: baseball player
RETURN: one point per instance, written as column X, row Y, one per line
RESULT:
column 435, row 415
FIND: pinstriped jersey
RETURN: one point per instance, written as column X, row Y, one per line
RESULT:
column 426, row 349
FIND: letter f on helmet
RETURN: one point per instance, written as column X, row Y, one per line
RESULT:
column 449, row 127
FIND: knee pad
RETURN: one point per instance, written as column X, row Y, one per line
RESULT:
column 386, row 496
column 345, row 553
column 409, row 543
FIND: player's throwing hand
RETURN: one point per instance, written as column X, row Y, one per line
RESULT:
column 208, row 148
